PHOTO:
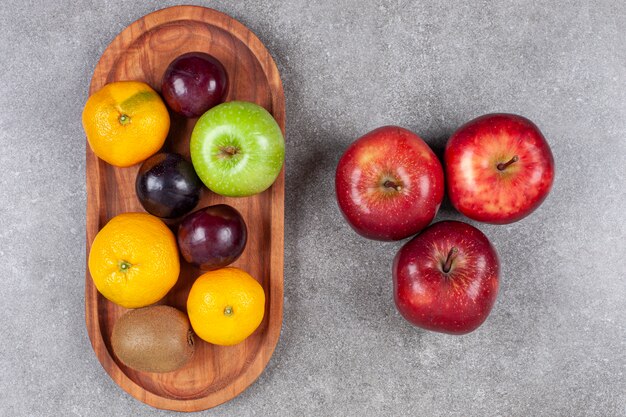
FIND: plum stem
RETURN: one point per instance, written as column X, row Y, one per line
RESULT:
column 448, row 264
column 391, row 184
column 503, row 165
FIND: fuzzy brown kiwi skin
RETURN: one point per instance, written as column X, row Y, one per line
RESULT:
column 153, row 339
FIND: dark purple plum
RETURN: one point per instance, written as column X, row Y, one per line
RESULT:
column 212, row 237
column 193, row 83
column 167, row 185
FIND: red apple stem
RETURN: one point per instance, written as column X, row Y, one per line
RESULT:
column 391, row 184
column 503, row 165
column 448, row 264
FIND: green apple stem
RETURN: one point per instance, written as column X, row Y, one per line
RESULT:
column 229, row 151
column 391, row 184
column 503, row 165
column 448, row 264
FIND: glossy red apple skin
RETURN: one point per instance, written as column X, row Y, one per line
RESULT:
column 456, row 302
column 389, row 184
column 482, row 191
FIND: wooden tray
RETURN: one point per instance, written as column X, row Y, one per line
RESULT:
column 142, row 52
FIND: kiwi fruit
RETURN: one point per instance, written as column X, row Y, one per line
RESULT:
column 153, row 339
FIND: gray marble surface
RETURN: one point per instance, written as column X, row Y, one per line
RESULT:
column 555, row 343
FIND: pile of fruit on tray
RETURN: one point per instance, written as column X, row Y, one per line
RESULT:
column 390, row 185
column 237, row 150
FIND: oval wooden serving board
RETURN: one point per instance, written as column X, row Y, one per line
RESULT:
column 142, row 52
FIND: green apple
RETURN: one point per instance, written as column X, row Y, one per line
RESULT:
column 237, row 149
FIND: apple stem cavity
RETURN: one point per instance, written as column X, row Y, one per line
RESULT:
column 228, row 311
column 124, row 119
column 448, row 264
column 391, row 184
column 503, row 165
column 229, row 151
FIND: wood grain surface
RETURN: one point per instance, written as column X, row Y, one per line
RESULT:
column 142, row 52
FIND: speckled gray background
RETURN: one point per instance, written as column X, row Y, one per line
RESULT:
column 555, row 343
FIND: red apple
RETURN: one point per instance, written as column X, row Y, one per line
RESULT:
column 389, row 184
column 446, row 278
column 499, row 168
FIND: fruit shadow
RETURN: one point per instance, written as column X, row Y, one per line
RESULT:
column 438, row 144
column 178, row 295
column 180, row 127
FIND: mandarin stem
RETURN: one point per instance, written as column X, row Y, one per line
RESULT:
column 124, row 119
column 124, row 266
